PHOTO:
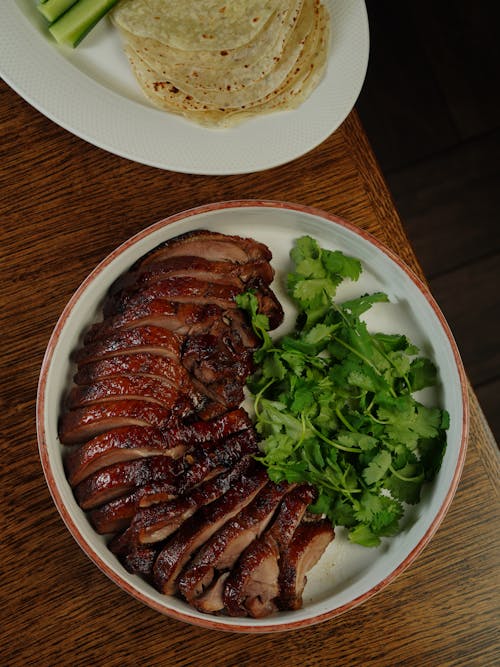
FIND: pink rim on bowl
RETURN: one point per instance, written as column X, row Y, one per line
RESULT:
column 50, row 449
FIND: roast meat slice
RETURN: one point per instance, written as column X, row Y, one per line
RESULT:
column 304, row 550
column 119, row 444
column 291, row 513
column 223, row 549
column 116, row 515
column 183, row 318
column 177, row 290
column 197, row 267
column 140, row 559
column 82, row 424
column 137, row 363
column 202, row 525
column 123, row 386
column 211, row 600
column 212, row 246
column 121, row 478
column 252, row 585
column 156, row 340
column 195, row 291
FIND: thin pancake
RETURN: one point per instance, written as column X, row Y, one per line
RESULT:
column 196, row 25
column 302, row 79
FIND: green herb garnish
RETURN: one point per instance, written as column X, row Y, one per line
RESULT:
column 334, row 402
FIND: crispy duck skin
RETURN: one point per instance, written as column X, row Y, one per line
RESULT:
column 186, row 319
column 201, row 526
column 212, row 246
column 145, row 364
column 120, row 444
column 123, row 386
column 82, row 424
column 120, row 478
column 304, row 550
column 141, row 339
column 140, row 559
column 222, row 550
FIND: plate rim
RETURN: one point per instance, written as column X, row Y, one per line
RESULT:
column 212, row 622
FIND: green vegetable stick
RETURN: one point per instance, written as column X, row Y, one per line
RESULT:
column 53, row 9
column 79, row 20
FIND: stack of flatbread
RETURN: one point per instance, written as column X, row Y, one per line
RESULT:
column 218, row 62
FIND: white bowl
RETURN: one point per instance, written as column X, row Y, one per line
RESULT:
column 347, row 574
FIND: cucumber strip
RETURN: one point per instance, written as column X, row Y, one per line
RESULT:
column 77, row 22
column 53, row 9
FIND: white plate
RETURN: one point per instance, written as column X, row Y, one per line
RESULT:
column 91, row 92
column 347, row 574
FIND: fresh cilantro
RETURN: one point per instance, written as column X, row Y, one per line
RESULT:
column 335, row 403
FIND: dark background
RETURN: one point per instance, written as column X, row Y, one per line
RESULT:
column 430, row 108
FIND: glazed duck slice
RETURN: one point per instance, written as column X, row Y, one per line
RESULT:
column 82, row 424
column 291, row 512
column 146, row 364
column 195, row 291
column 124, row 386
column 118, row 445
column 177, row 290
column 196, row 267
column 303, row 552
column 151, row 339
column 229, row 423
column 115, row 516
column 183, row 318
column 205, row 269
column 212, row 246
column 223, row 549
column 201, row 526
column 252, row 585
column 120, row 478
column 210, row 359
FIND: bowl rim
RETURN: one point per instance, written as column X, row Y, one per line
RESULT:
column 215, row 623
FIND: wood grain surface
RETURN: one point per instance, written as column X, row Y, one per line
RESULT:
column 65, row 205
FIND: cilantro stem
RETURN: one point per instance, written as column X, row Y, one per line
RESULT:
column 343, row 419
column 259, row 396
column 334, row 443
column 416, row 479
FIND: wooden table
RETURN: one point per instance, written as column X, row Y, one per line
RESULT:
column 65, row 205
